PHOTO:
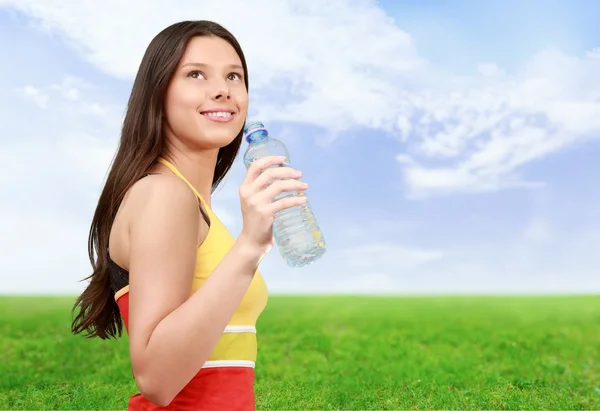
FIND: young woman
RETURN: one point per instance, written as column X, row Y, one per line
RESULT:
column 188, row 293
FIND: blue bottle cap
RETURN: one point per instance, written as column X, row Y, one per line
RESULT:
column 253, row 127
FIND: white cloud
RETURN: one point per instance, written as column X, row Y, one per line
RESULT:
column 337, row 65
column 36, row 95
column 490, row 69
column 485, row 131
column 54, row 164
column 342, row 64
column 395, row 258
column 306, row 49
column 521, row 264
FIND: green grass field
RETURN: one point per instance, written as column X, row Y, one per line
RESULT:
column 341, row 353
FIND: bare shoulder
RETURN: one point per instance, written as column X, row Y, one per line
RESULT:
column 155, row 203
column 163, row 220
column 162, row 192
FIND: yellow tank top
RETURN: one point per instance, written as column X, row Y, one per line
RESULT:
column 237, row 346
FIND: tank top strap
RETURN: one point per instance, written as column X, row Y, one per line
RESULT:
column 175, row 171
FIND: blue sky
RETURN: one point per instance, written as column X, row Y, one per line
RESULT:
column 450, row 146
column 461, row 34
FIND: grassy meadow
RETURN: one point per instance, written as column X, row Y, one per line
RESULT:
column 340, row 353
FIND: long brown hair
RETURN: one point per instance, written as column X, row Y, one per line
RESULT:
column 140, row 145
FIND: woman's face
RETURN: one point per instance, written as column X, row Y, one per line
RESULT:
column 206, row 102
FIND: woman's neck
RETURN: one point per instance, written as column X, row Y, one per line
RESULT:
column 198, row 168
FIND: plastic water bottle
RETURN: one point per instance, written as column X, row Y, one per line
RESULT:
column 295, row 229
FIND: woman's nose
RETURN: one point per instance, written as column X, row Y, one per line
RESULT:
column 219, row 90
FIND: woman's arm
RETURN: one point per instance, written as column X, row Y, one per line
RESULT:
column 171, row 333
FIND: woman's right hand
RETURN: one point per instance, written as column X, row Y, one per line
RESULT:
column 261, row 185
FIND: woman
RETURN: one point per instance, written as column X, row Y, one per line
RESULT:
column 188, row 293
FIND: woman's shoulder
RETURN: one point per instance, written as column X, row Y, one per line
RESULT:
column 160, row 202
column 162, row 189
column 156, row 205
column 157, row 192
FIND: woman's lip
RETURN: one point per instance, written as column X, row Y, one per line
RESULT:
column 218, row 109
column 218, row 119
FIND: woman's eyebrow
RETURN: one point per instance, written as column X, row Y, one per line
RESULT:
column 203, row 65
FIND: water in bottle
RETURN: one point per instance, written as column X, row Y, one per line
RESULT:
column 295, row 229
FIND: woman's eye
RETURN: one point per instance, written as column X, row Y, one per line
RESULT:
column 234, row 76
column 195, row 74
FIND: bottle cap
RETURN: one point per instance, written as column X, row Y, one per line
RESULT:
column 251, row 128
